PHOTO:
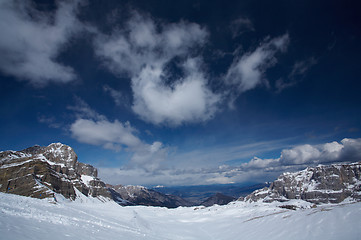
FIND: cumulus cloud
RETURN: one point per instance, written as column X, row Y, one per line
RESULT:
column 188, row 100
column 143, row 51
column 95, row 129
column 168, row 78
column 31, row 41
column 348, row 150
column 247, row 71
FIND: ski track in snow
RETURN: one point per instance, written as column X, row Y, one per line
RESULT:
column 29, row 218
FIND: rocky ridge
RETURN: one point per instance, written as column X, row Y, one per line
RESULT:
column 41, row 172
column 321, row 184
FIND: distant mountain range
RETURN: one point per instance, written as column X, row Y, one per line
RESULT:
column 47, row 172
column 139, row 195
column 199, row 194
column 44, row 172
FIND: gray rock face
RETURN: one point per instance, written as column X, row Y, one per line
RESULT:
column 322, row 184
column 139, row 195
column 42, row 171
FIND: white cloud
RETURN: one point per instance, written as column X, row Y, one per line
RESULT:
column 104, row 133
column 351, row 149
column 247, row 71
column 300, row 154
column 348, row 150
column 143, row 51
column 142, row 42
column 260, row 163
column 188, row 100
column 31, row 40
column 95, row 129
column 164, row 62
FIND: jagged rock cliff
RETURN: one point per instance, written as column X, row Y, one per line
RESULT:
column 42, row 171
column 321, row 184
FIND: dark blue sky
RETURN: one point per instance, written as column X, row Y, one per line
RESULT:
column 183, row 92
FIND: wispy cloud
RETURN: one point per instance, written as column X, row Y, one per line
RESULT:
column 298, row 72
column 246, row 72
column 82, row 110
column 116, row 95
column 31, row 40
column 240, row 25
column 50, row 121
column 215, row 156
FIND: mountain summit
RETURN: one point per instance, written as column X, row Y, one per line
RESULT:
column 321, row 184
column 42, row 172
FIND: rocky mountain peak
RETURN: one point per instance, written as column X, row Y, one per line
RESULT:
column 60, row 153
column 42, row 171
column 321, row 184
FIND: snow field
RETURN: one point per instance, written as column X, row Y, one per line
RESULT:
column 28, row 218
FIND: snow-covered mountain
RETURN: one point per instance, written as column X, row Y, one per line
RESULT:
column 43, row 172
column 321, row 184
column 84, row 209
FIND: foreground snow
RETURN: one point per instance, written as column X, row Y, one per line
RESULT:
column 28, row 218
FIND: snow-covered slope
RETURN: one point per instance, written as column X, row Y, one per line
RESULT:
column 30, row 218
